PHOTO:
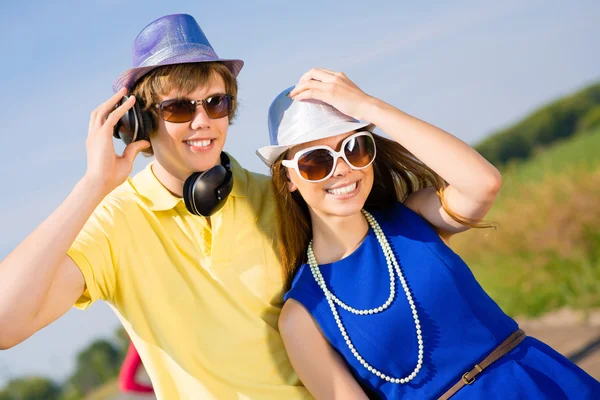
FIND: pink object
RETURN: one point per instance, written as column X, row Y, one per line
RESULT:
column 131, row 364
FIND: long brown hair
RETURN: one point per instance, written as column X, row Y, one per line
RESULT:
column 397, row 174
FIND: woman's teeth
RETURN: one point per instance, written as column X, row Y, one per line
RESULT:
column 343, row 190
column 199, row 143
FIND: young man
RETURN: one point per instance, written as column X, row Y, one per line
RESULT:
column 198, row 290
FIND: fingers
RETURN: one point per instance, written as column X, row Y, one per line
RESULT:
column 99, row 115
column 133, row 149
column 323, row 75
column 318, row 74
column 335, row 73
column 308, row 86
column 109, row 105
column 117, row 114
column 314, row 92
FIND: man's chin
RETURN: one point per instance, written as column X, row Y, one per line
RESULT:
column 206, row 162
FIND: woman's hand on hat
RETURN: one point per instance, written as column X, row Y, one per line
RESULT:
column 333, row 88
column 106, row 169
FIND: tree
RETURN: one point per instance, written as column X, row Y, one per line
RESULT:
column 590, row 121
column 30, row 388
column 559, row 119
column 122, row 341
column 96, row 365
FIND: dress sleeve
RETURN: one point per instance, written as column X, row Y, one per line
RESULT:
column 304, row 290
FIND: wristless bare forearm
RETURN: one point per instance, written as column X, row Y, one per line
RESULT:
column 26, row 274
column 455, row 161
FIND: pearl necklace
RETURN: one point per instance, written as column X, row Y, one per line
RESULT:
column 332, row 300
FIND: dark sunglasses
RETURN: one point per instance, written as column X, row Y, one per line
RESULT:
column 183, row 110
column 317, row 163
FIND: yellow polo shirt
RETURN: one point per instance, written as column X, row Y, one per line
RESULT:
column 200, row 303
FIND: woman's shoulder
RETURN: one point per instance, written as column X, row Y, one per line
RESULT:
column 292, row 313
column 304, row 289
column 399, row 219
column 397, row 212
column 302, row 281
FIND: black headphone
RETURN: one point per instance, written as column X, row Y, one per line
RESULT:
column 134, row 125
column 204, row 193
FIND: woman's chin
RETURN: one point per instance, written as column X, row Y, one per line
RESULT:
column 344, row 209
column 340, row 208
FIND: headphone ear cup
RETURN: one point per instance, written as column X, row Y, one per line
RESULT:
column 125, row 127
column 203, row 197
column 146, row 124
column 205, row 193
column 225, row 189
column 188, row 195
column 130, row 126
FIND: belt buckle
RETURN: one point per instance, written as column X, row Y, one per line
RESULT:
column 467, row 380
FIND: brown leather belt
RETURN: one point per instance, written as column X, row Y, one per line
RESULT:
column 469, row 377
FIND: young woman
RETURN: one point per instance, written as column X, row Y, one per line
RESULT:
column 379, row 305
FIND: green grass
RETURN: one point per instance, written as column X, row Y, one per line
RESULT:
column 582, row 150
column 545, row 253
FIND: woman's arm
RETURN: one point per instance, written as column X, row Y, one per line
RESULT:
column 127, row 374
column 473, row 181
column 320, row 368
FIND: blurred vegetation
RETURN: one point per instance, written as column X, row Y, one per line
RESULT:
column 544, row 254
column 30, row 388
column 107, row 391
column 97, row 364
column 568, row 116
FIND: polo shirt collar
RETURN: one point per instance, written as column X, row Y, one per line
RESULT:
column 158, row 198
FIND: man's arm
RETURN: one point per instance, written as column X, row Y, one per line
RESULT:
column 38, row 281
column 65, row 289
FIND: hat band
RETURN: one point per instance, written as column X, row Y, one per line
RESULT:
column 297, row 131
column 191, row 50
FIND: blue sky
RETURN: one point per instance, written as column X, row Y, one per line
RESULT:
column 469, row 67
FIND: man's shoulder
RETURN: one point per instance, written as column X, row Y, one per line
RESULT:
column 256, row 183
column 258, row 178
column 121, row 200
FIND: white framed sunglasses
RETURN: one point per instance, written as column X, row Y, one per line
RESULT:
column 317, row 163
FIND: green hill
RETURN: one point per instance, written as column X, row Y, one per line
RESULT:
column 562, row 118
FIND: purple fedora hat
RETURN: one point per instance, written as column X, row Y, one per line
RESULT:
column 173, row 39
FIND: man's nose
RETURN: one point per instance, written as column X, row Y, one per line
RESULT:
column 201, row 119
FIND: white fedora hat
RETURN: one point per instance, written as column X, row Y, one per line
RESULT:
column 294, row 122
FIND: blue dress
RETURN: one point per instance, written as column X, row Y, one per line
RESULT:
column 460, row 323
